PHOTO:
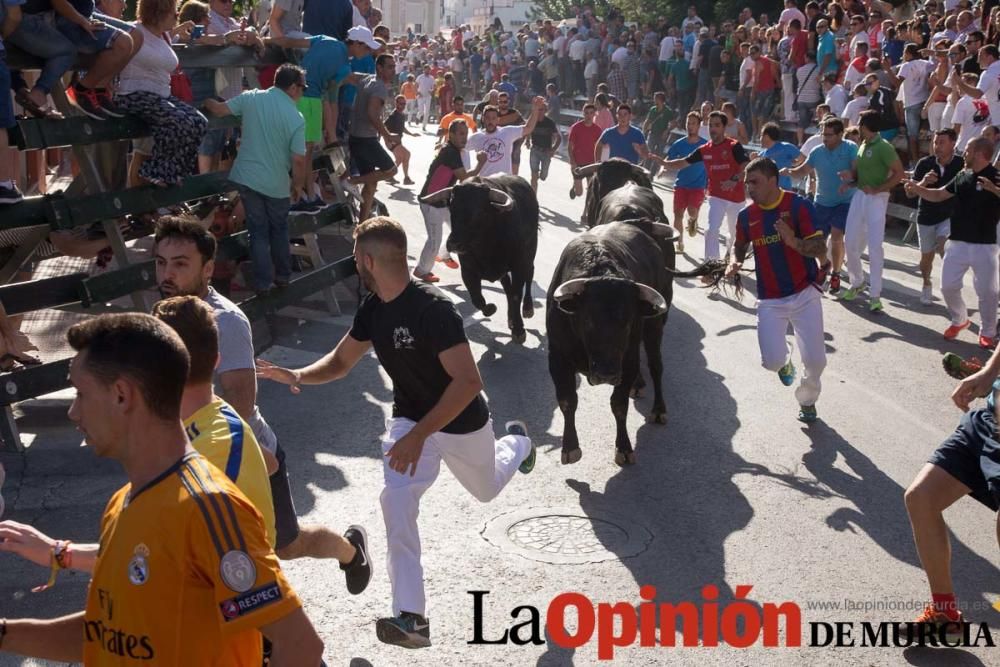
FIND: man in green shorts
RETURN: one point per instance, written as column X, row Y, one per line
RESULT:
column 657, row 128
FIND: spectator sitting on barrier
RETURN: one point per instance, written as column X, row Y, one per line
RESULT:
column 273, row 144
column 9, row 194
column 144, row 90
column 35, row 35
column 327, row 64
column 114, row 47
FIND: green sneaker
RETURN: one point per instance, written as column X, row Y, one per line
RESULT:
column 959, row 368
column 807, row 413
column 852, row 293
column 518, row 427
column 875, row 305
column 787, row 374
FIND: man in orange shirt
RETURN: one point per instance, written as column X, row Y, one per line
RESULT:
column 409, row 92
column 185, row 574
column 458, row 111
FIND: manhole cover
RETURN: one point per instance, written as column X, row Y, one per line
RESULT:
column 566, row 535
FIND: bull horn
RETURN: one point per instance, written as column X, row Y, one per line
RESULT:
column 501, row 199
column 653, row 298
column 439, row 198
column 586, row 171
column 662, row 231
column 570, row 288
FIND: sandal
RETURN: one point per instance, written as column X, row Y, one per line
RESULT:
column 24, row 99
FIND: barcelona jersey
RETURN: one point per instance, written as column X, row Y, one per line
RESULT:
column 781, row 270
column 184, row 575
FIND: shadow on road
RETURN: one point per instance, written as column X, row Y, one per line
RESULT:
column 932, row 657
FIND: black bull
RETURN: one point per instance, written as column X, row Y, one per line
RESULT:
column 494, row 230
column 609, row 290
column 607, row 176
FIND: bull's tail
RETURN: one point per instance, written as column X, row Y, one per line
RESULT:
column 715, row 269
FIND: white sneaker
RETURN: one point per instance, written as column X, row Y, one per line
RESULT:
column 927, row 295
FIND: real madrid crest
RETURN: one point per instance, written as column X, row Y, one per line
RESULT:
column 238, row 571
column 138, row 567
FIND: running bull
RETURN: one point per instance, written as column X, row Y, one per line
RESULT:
column 607, row 176
column 609, row 291
column 633, row 202
column 494, row 230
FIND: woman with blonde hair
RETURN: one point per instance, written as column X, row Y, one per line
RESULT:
column 144, row 90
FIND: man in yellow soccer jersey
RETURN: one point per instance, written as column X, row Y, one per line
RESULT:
column 185, row 573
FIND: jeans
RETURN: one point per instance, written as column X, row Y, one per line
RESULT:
column 39, row 37
column 267, row 224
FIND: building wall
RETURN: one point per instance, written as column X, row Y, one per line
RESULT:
column 481, row 13
column 423, row 15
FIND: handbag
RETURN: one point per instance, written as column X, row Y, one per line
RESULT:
column 795, row 103
column 180, row 83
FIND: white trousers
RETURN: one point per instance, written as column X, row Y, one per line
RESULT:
column 481, row 464
column 411, row 111
column 935, row 116
column 866, row 227
column 424, row 108
column 982, row 258
column 788, row 96
column 719, row 209
column 804, row 311
column 434, row 219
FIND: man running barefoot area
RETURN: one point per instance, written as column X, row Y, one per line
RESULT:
column 439, row 412
column 876, row 172
column 724, row 160
column 781, row 227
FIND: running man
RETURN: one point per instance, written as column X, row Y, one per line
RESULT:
column 439, row 412
column 833, row 202
column 374, row 164
column 185, row 260
column 725, row 160
column 498, row 142
column 185, row 574
column 967, row 463
column 934, row 218
column 689, row 185
column 876, row 171
column 972, row 241
column 623, row 140
column 582, row 138
column 396, row 124
column 786, row 241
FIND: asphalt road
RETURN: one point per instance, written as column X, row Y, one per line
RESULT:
column 733, row 492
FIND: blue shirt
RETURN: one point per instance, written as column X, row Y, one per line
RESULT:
column 509, row 88
column 693, row 176
column 332, row 18
column 363, row 65
column 621, row 144
column 828, row 165
column 784, row 155
column 325, row 61
column 689, row 40
column 825, row 46
column 273, row 130
column 476, row 61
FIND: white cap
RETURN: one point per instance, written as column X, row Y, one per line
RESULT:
column 360, row 33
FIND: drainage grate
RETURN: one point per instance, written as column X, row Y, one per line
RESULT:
column 566, row 535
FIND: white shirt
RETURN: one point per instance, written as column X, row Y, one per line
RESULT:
column 498, row 146
column 619, row 56
column 860, row 37
column 989, row 83
column 812, row 142
column 965, row 111
column 358, row 18
column 576, row 48
column 150, row 68
column 666, row 48
column 746, row 70
column 790, row 14
column 590, row 69
column 837, row 99
column 852, row 77
column 852, row 112
column 559, row 44
column 809, row 89
column 913, row 90
column 692, row 19
column 425, row 85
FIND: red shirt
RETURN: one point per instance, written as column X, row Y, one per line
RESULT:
column 797, row 54
column 722, row 161
column 582, row 140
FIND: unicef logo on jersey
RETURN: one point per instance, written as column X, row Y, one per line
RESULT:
column 495, row 150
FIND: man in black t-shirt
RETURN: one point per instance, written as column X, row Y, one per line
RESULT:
column 396, row 124
column 544, row 141
column 447, row 168
column 934, row 218
column 438, row 412
column 972, row 243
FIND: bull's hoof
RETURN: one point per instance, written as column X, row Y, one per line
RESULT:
column 624, row 458
column 635, row 392
column 658, row 418
column 519, row 337
column 489, row 309
column 571, row 455
column 527, row 311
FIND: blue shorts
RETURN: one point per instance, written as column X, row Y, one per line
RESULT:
column 972, row 456
column 214, row 141
column 7, row 119
column 82, row 40
column 889, row 135
column 832, row 217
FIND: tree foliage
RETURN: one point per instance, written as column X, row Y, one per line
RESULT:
column 641, row 11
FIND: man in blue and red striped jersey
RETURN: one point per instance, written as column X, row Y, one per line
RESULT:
column 787, row 242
